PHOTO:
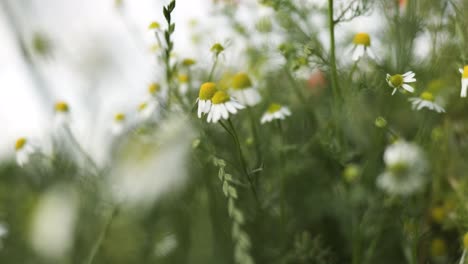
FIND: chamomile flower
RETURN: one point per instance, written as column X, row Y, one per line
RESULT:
column 464, row 81
column 361, row 47
column 119, row 123
column 426, row 100
column 244, row 91
column 222, row 106
column 154, row 89
column 207, row 90
column 62, row 114
column 24, row 150
column 401, row 81
column 183, row 83
column 146, row 110
column 405, row 168
column 275, row 111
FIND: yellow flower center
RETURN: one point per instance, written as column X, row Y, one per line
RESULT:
column 154, row 88
column 188, row 62
column 220, row 97
column 465, row 241
column 427, row 96
column 183, row 78
column 207, row 90
column 61, row 107
column 465, row 72
column 362, row 39
column 396, row 80
column 438, row 214
column 119, row 117
column 273, row 108
column 142, row 106
column 154, row 25
column 399, row 169
column 241, row 81
column 217, row 48
column 20, row 143
column 438, row 247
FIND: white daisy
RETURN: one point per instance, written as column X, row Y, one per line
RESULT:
column 401, row 81
column 243, row 90
column 275, row 111
column 464, row 81
column 147, row 110
column 426, row 100
column 207, row 90
column 361, row 47
column 24, row 150
column 118, row 125
column 62, row 114
column 222, row 106
column 405, row 168
column 183, row 83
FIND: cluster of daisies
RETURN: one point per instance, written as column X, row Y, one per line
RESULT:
column 218, row 104
column 402, row 82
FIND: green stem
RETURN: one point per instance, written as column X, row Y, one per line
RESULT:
column 334, row 72
column 213, row 68
column 98, row 243
column 283, row 177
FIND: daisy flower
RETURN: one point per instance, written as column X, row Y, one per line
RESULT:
column 222, row 106
column 464, row 81
column 275, row 111
column 183, row 83
column 119, row 123
column 405, row 168
column 243, row 90
column 361, row 47
column 146, row 109
column 207, row 90
column 401, row 81
column 24, row 150
column 62, row 114
column 426, row 100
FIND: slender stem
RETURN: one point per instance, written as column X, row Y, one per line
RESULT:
column 283, row 176
column 213, row 67
column 97, row 245
column 334, row 72
column 462, row 259
column 231, row 130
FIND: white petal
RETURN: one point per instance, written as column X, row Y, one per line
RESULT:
column 231, row 108
column 358, row 52
column 224, row 112
column 409, row 73
column 464, row 88
column 408, row 88
column 370, row 53
column 460, row 70
column 394, row 91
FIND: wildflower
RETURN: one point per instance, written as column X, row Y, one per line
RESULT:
column 380, row 122
column 207, row 90
column 351, row 173
column 188, row 62
column 217, row 48
column 438, row 247
column 183, row 80
column 154, row 88
column 361, row 47
column 23, row 151
column 426, row 100
column 154, row 26
column 54, row 222
column 118, row 124
column 244, row 91
column 222, row 106
column 62, row 113
column 146, row 109
column 405, row 168
column 464, row 81
column 401, row 81
column 275, row 111
column 438, row 214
